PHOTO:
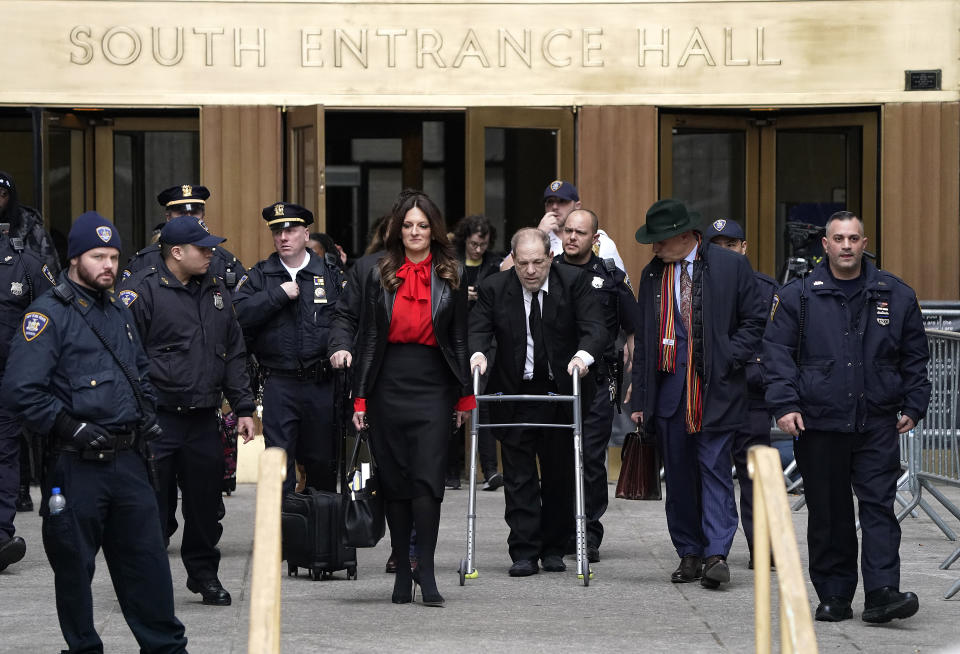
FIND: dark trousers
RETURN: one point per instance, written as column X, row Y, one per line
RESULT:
column 190, row 451
column 298, row 416
column 597, row 425
column 110, row 505
column 539, row 509
column 830, row 463
column 9, row 472
column 742, row 442
column 700, row 504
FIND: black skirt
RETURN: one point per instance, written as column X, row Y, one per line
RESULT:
column 410, row 411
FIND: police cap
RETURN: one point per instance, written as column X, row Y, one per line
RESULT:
column 185, row 197
column 561, row 189
column 724, row 227
column 286, row 214
column 189, row 230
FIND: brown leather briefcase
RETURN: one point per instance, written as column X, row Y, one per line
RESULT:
column 640, row 468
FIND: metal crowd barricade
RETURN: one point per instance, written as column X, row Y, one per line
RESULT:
column 935, row 454
column 468, row 568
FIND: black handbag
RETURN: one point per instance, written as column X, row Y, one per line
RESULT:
column 363, row 520
column 640, row 468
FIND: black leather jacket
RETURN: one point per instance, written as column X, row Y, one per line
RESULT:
column 449, row 310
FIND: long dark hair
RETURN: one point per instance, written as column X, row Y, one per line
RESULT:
column 467, row 227
column 444, row 261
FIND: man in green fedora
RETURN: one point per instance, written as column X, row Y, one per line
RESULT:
column 701, row 321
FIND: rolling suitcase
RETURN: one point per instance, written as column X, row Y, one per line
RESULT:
column 312, row 527
column 312, row 521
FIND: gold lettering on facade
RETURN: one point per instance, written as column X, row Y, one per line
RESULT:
column 761, row 59
column 508, row 39
column 117, row 54
column 260, row 47
column 391, row 34
column 122, row 45
column 588, row 45
column 559, row 62
column 471, row 48
column 359, row 50
column 728, row 59
column 309, row 44
column 432, row 49
column 78, row 36
column 663, row 47
column 158, row 55
column 208, row 34
column 696, row 47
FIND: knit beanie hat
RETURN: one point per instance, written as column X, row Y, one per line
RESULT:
column 91, row 230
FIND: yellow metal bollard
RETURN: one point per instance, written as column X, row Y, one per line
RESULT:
column 264, row 633
column 772, row 524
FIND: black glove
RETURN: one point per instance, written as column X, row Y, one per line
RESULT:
column 83, row 435
column 151, row 432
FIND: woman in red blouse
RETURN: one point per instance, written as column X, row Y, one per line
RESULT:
column 411, row 368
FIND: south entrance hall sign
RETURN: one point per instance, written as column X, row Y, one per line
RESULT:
column 446, row 53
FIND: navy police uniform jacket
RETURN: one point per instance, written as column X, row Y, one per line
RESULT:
column 23, row 278
column 728, row 318
column 223, row 264
column 288, row 334
column 62, row 365
column 617, row 303
column 853, row 372
column 192, row 337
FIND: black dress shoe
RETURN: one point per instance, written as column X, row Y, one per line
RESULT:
column 11, row 551
column 688, row 570
column 212, row 591
column 715, row 572
column 524, row 568
column 453, row 482
column 24, row 502
column 493, row 482
column 391, row 567
column 554, row 563
column 887, row 603
column 593, row 553
column 834, row 609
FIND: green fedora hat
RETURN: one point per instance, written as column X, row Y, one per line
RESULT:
column 666, row 219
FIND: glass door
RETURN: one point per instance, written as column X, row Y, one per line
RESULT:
column 512, row 154
column 306, row 172
column 779, row 176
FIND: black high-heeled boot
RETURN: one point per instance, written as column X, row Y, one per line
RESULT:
column 429, row 595
column 403, row 585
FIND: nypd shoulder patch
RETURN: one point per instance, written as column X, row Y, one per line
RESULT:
column 33, row 325
column 128, row 297
column 126, row 274
column 48, row 274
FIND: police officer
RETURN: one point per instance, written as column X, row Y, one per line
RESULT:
column 187, row 200
column 845, row 355
column 186, row 321
column 82, row 378
column 22, row 278
column 285, row 304
column 756, row 430
column 619, row 308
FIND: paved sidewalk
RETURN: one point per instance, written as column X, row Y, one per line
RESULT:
column 630, row 606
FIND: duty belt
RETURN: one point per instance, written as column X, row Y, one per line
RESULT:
column 320, row 371
column 119, row 441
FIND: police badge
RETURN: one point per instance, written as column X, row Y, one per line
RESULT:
column 16, row 288
column 597, row 282
column 218, row 300
column 883, row 313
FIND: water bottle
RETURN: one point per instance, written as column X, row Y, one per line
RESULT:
column 57, row 501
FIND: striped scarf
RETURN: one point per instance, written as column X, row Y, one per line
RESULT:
column 667, row 360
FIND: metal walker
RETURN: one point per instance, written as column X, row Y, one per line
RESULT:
column 467, row 568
